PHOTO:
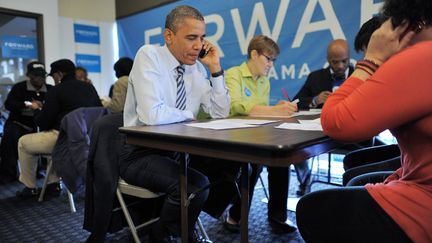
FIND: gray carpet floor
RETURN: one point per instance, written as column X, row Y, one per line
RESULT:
column 52, row 221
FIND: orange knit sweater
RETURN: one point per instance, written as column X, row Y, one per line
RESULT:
column 398, row 97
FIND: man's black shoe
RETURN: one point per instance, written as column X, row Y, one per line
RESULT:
column 157, row 236
column 165, row 239
column 53, row 189
column 27, row 193
column 196, row 238
column 279, row 227
column 233, row 228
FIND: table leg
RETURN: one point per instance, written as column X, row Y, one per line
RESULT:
column 183, row 195
column 244, row 203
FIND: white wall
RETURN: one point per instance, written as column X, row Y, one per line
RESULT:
column 99, row 13
column 106, row 50
column 98, row 10
column 49, row 10
column 59, row 36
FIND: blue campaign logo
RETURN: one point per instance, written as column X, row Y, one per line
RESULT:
column 18, row 46
column 86, row 34
column 90, row 62
column 247, row 92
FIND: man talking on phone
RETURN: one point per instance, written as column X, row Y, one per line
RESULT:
column 168, row 84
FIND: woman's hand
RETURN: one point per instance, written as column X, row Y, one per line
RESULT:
column 387, row 41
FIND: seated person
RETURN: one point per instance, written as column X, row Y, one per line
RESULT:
column 363, row 36
column 399, row 209
column 122, row 69
column 249, row 89
column 167, row 85
column 376, row 158
column 81, row 74
column 63, row 98
column 319, row 84
column 22, row 101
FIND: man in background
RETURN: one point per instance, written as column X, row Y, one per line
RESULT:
column 22, row 101
column 321, row 83
column 81, row 74
column 63, row 98
column 122, row 69
column 317, row 88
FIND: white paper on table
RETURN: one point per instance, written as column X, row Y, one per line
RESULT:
column 271, row 116
column 250, row 121
column 309, row 126
column 317, row 121
column 307, row 113
column 220, row 124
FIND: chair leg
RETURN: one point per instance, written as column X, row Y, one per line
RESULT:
column 329, row 168
column 202, row 230
column 263, row 186
column 128, row 217
column 71, row 201
column 45, row 183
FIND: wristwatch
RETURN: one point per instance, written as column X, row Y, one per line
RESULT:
column 217, row 74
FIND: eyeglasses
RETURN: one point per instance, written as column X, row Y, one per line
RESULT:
column 269, row 59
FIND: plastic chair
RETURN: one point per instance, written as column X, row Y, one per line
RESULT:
column 136, row 191
column 344, row 151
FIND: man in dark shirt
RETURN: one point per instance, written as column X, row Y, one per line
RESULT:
column 319, row 84
column 65, row 97
column 22, row 101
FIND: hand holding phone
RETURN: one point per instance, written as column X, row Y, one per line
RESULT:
column 212, row 61
column 203, row 53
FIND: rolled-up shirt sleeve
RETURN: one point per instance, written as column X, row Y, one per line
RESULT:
column 216, row 101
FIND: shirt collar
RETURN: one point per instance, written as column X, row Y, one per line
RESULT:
column 30, row 87
column 171, row 61
column 244, row 69
column 346, row 72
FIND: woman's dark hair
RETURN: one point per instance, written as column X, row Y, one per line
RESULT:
column 123, row 67
column 362, row 38
column 413, row 11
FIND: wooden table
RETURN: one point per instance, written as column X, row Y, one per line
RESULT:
column 262, row 145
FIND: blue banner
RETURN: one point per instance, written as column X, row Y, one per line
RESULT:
column 86, row 34
column 90, row 62
column 18, row 46
column 302, row 29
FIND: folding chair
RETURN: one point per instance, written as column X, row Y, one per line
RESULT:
column 136, row 191
column 45, row 183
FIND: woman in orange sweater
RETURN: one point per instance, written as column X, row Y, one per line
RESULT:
column 396, row 74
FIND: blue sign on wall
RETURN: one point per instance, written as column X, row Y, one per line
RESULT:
column 302, row 29
column 90, row 62
column 86, row 34
column 18, row 46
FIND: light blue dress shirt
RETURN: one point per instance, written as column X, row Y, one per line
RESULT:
column 152, row 90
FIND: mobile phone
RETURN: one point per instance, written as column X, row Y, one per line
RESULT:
column 202, row 53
